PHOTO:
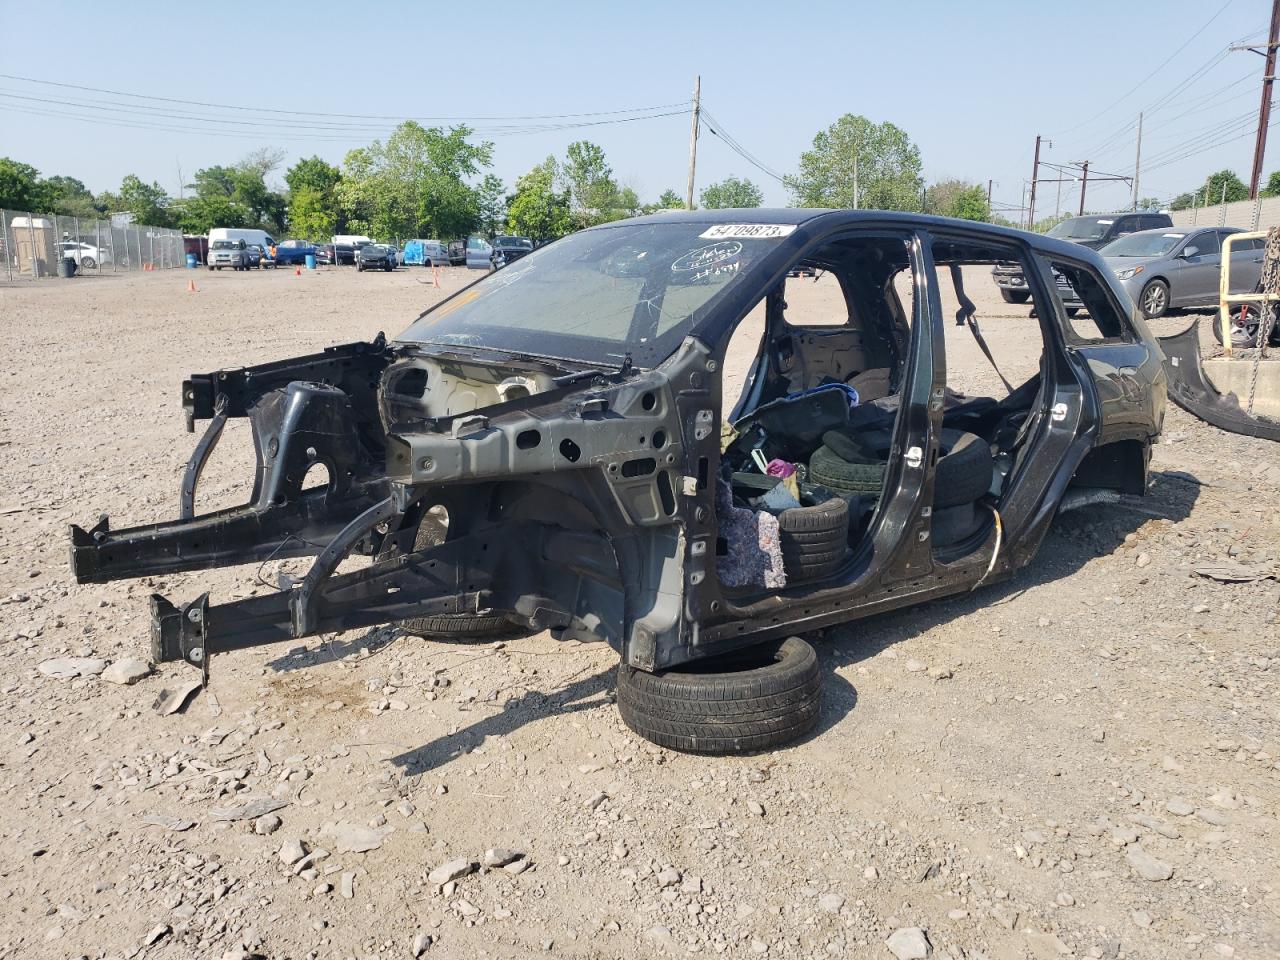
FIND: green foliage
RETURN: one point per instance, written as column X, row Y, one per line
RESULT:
column 1150, row 203
column 1183, row 201
column 414, row 185
column 594, row 195
column 71, row 198
column 235, row 196
column 731, row 192
column 888, row 167
column 492, row 203
column 21, row 187
column 670, row 200
column 537, row 209
column 971, row 204
column 1212, row 191
column 148, row 202
column 313, row 201
column 1272, row 186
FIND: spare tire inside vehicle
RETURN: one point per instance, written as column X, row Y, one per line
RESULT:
column 813, row 539
column 749, row 700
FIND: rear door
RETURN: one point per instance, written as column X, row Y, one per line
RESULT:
column 1194, row 281
column 1246, row 264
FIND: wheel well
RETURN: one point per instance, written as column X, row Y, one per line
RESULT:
column 1118, row 466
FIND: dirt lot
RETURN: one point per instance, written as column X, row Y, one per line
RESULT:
column 1081, row 762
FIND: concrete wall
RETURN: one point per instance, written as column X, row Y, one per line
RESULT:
column 1258, row 214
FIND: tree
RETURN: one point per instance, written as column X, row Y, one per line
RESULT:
column 313, row 201
column 21, row 187
column 940, row 198
column 148, row 202
column 239, row 192
column 1212, row 192
column 537, row 209
column 1272, row 188
column 731, row 192
column 415, row 184
column 492, row 203
column 71, row 198
column 670, row 200
column 1150, row 203
column 971, row 204
column 888, row 167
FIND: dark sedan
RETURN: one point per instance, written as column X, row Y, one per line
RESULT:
column 376, row 256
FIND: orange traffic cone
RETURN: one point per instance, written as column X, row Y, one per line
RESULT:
column 297, row 271
column 191, row 286
column 435, row 276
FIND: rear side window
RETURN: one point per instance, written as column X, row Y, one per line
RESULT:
column 1097, row 317
column 1206, row 244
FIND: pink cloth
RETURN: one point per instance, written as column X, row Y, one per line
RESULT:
column 780, row 468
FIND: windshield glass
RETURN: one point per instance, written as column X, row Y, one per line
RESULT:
column 596, row 296
column 475, row 243
column 224, row 244
column 1155, row 244
column 1081, row 228
column 512, row 242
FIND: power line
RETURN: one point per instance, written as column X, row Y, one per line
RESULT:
column 1162, row 65
column 348, row 116
column 716, row 129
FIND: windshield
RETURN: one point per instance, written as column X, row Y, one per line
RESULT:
column 1081, row 228
column 225, row 244
column 475, row 243
column 373, row 248
column 1146, row 244
column 596, row 296
column 513, row 242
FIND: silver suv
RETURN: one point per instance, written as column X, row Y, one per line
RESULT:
column 228, row 253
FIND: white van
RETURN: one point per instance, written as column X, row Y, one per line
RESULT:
column 250, row 237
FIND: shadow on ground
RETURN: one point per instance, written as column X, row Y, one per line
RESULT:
column 1075, row 538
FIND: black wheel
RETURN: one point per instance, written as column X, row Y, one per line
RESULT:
column 1244, row 329
column 1015, row 296
column 753, row 699
column 87, row 263
column 813, row 539
column 830, row 470
column 474, row 627
column 359, row 268
column 211, row 267
column 964, row 469
column 1154, row 299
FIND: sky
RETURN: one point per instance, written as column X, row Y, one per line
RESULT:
column 972, row 84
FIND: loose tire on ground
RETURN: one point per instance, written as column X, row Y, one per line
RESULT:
column 760, row 697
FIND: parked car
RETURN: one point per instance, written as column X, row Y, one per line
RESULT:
column 324, row 253
column 346, row 245
column 508, row 249
column 290, row 253
column 376, row 256
column 427, row 253
column 228, row 253
column 1180, row 267
column 1092, row 232
column 86, row 255
column 542, row 450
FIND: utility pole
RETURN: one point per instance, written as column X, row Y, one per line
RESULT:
column 1137, row 164
column 1084, row 182
column 989, row 182
column 1264, row 111
column 693, row 139
column 855, row 181
column 1035, row 173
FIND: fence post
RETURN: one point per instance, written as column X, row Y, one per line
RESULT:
column 8, row 251
column 31, row 235
column 1257, row 214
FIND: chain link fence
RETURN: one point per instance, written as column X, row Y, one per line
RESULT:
column 33, row 244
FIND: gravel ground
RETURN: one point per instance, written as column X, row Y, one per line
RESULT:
column 1079, row 762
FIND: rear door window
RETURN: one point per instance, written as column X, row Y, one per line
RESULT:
column 1098, row 318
